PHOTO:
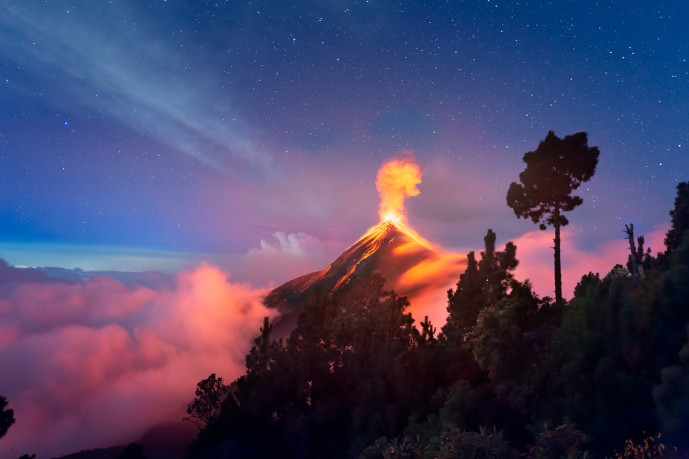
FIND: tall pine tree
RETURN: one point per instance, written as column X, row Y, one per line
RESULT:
column 553, row 171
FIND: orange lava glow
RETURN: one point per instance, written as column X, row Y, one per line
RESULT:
column 426, row 285
column 396, row 180
column 426, row 282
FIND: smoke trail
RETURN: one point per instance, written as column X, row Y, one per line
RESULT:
column 396, row 180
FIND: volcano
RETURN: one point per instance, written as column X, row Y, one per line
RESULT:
column 411, row 266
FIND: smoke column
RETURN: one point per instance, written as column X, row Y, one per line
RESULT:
column 396, row 180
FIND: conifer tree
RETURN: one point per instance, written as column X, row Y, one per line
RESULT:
column 680, row 218
column 206, row 405
column 483, row 283
column 553, row 171
column 6, row 417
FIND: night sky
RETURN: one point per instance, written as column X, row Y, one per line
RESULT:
column 173, row 132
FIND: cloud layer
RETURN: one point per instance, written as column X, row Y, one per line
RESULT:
column 94, row 364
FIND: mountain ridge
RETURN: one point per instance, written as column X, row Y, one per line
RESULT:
column 390, row 249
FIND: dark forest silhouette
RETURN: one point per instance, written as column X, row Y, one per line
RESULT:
column 509, row 375
column 553, row 171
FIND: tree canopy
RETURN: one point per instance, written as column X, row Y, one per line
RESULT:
column 6, row 417
column 553, row 171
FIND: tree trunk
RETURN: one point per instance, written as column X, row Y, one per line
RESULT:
column 558, row 267
column 629, row 229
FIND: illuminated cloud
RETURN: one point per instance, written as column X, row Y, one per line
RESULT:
column 273, row 263
column 94, row 364
column 295, row 244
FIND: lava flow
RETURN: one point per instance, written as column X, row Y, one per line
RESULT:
column 411, row 265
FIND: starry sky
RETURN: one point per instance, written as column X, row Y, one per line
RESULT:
column 151, row 135
column 230, row 146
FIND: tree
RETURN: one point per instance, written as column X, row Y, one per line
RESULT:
column 206, row 405
column 553, row 171
column 680, row 218
column 260, row 358
column 483, row 283
column 133, row 451
column 634, row 256
column 6, row 417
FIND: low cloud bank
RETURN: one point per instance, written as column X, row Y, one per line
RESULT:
column 96, row 363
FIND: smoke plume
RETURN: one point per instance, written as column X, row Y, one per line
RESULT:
column 396, row 180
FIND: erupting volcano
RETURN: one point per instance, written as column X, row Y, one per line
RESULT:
column 411, row 265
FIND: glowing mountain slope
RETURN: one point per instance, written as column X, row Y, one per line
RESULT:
column 410, row 265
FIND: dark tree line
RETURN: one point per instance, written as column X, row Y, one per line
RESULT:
column 6, row 417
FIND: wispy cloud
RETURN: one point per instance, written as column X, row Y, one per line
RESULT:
column 134, row 75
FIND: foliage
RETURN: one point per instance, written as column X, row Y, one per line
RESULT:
column 6, row 417
column 453, row 443
column 206, row 406
column 680, row 218
column 563, row 441
column 553, row 171
column 672, row 398
column 511, row 339
column 133, row 451
column 483, row 283
column 354, row 368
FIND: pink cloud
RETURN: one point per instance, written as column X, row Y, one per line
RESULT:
column 290, row 255
column 98, row 363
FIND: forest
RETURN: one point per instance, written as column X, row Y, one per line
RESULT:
column 605, row 374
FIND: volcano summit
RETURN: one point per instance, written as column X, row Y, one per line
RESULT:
column 411, row 266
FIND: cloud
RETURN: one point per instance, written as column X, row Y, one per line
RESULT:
column 295, row 244
column 290, row 256
column 105, row 67
column 96, row 363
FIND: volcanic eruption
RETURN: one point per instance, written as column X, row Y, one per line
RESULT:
column 411, row 265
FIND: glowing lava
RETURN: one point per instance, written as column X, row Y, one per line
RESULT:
column 396, row 180
column 411, row 265
column 392, row 217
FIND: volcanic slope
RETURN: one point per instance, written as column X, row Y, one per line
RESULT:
column 409, row 264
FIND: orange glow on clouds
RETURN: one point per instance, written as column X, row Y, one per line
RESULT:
column 131, row 352
column 396, row 180
column 426, row 285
